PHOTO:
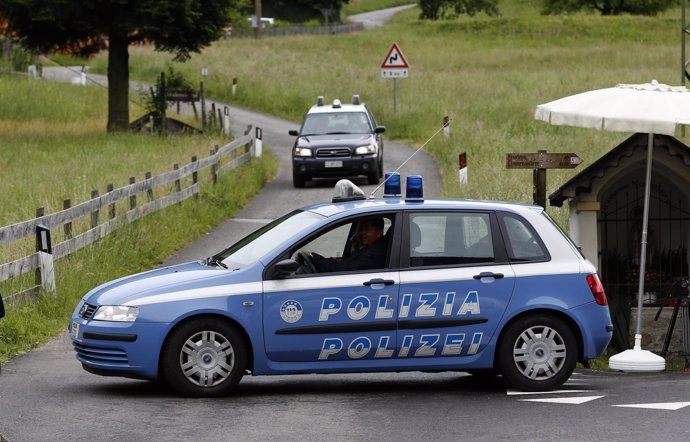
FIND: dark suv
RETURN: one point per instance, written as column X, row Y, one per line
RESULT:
column 338, row 140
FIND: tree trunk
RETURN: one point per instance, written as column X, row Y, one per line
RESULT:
column 118, row 82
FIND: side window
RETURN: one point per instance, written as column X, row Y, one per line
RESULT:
column 451, row 238
column 357, row 245
column 523, row 243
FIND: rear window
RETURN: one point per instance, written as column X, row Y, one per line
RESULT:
column 522, row 241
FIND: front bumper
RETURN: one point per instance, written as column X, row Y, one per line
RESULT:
column 324, row 167
column 118, row 348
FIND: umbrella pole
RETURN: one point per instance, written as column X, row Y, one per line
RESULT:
column 637, row 360
column 643, row 242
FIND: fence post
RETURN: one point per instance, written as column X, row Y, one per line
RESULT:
column 37, row 274
column 195, row 177
column 214, row 167
column 94, row 214
column 133, row 198
column 66, row 204
column 44, row 249
column 149, row 191
column 111, row 207
column 178, row 187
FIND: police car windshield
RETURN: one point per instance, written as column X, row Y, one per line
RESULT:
column 257, row 244
column 336, row 123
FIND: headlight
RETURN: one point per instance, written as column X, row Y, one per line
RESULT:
column 302, row 152
column 365, row 150
column 116, row 313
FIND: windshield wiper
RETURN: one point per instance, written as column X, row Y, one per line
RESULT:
column 213, row 261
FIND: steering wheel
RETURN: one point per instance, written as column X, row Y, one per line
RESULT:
column 308, row 261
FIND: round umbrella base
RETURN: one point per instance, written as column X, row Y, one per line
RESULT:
column 637, row 360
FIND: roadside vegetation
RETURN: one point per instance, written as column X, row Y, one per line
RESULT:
column 53, row 147
column 488, row 74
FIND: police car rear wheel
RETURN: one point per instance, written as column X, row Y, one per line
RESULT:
column 537, row 353
column 204, row 358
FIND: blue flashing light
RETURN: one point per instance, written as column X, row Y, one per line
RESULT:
column 415, row 188
column 392, row 188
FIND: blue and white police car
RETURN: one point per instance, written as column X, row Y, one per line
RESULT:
column 457, row 285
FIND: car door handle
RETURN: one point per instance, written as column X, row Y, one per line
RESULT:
column 379, row 281
column 488, row 275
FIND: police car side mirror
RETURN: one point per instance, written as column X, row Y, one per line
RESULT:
column 380, row 129
column 286, row 267
column 293, row 132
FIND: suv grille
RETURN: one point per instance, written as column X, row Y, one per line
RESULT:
column 333, row 152
column 86, row 311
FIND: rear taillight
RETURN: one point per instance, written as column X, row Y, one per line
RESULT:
column 597, row 289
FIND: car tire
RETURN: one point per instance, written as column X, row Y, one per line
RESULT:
column 204, row 357
column 299, row 181
column 537, row 353
column 381, row 168
column 373, row 178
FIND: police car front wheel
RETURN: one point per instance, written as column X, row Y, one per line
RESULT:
column 537, row 353
column 204, row 357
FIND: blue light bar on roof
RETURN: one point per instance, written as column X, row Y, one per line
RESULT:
column 415, row 188
column 392, row 188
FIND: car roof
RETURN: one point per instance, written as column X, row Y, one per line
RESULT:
column 328, row 108
column 393, row 204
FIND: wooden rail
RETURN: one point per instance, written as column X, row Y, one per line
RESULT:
column 240, row 151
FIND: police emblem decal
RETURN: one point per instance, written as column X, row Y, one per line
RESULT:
column 291, row 311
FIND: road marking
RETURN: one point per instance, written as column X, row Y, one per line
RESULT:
column 516, row 392
column 659, row 406
column 564, row 400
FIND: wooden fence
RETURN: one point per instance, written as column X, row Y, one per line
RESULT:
column 239, row 151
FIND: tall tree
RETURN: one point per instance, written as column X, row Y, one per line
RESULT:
column 435, row 9
column 608, row 7
column 176, row 26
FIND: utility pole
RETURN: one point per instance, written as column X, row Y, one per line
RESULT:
column 257, row 14
column 683, row 59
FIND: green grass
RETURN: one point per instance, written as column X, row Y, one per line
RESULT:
column 53, row 146
column 488, row 74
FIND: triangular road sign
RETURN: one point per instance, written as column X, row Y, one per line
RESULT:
column 394, row 59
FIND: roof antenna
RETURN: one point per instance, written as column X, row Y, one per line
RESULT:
column 445, row 124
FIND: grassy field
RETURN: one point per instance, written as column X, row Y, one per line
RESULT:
column 53, row 146
column 488, row 74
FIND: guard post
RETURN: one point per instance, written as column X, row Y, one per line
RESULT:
column 44, row 250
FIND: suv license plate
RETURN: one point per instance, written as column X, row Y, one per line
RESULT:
column 333, row 164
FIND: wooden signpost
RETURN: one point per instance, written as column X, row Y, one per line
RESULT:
column 539, row 162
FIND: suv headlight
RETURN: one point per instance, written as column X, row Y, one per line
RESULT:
column 365, row 150
column 116, row 313
column 302, row 152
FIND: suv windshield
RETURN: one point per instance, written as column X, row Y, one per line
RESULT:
column 257, row 244
column 336, row 123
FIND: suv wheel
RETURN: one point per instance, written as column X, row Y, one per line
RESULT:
column 374, row 178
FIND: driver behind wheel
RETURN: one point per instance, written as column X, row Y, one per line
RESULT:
column 372, row 254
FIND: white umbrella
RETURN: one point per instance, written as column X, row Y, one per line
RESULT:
column 650, row 108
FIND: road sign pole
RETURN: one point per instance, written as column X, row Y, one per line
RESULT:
column 395, row 95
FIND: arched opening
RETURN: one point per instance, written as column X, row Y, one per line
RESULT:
column 619, row 228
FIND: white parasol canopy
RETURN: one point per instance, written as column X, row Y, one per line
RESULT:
column 649, row 108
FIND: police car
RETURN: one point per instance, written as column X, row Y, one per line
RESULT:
column 464, row 286
column 338, row 140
